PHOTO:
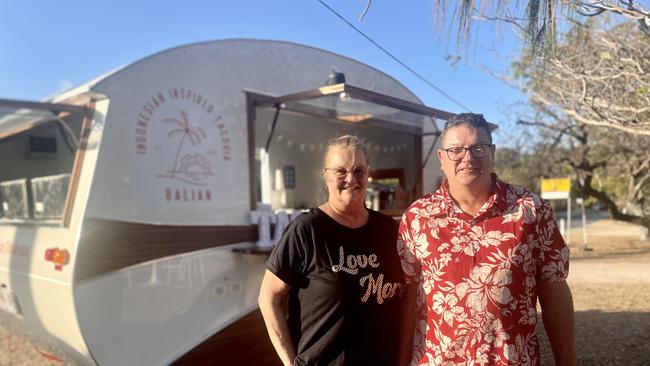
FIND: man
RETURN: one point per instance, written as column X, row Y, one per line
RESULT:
column 480, row 252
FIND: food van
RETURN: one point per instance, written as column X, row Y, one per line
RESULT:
column 137, row 209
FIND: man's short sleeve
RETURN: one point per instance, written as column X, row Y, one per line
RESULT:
column 287, row 260
column 553, row 261
column 406, row 251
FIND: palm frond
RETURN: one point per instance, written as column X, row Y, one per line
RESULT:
column 176, row 132
column 174, row 121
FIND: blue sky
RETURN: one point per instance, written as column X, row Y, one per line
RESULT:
column 49, row 46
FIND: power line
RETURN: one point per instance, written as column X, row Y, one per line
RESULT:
column 422, row 78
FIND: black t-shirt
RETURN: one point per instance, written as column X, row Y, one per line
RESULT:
column 344, row 305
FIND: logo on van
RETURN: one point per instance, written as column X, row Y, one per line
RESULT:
column 190, row 167
column 188, row 138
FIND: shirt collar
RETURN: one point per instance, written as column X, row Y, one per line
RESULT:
column 497, row 199
column 500, row 193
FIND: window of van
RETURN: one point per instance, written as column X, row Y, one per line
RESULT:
column 38, row 145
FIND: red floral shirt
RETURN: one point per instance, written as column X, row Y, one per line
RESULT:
column 477, row 295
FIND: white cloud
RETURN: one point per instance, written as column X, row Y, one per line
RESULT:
column 65, row 85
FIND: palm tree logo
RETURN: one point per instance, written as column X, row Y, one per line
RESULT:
column 189, row 163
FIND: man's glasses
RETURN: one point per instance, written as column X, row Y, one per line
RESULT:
column 358, row 172
column 479, row 151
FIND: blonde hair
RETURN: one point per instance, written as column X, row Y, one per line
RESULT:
column 350, row 143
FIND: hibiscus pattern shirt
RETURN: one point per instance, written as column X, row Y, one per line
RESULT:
column 477, row 276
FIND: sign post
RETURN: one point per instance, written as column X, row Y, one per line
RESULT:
column 559, row 188
column 581, row 202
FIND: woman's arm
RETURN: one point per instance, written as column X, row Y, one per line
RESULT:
column 273, row 301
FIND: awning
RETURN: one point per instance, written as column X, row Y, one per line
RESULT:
column 347, row 103
column 17, row 116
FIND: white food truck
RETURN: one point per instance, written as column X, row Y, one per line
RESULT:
column 129, row 205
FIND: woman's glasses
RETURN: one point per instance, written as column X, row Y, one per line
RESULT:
column 358, row 172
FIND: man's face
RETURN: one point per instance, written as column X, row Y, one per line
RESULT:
column 469, row 170
column 344, row 185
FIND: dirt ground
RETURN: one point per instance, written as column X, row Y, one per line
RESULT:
column 611, row 293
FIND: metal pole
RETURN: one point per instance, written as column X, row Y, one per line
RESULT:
column 584, row 226
column 568, row 220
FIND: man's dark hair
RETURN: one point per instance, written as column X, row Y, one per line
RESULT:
column 473, row 120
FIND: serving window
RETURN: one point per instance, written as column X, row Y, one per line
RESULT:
column 293, row 130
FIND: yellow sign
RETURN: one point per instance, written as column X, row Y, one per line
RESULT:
column 556, row 185
column 556, row 188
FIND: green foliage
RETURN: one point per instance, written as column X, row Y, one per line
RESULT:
column 518, row 168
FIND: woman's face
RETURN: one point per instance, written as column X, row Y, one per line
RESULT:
column 346, row 176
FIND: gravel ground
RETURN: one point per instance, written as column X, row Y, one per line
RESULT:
column 17, row 351
column 611, row 293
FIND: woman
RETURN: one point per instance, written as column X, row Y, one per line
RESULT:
column 330, row 294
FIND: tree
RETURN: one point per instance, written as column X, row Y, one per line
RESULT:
column 611, row 167
column 521, row 165
column 599, row 76
column 539, row 20
column 590, row 107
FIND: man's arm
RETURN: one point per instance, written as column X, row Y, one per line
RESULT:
column 557, row 313
column 273, row 301
column 407, row 326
